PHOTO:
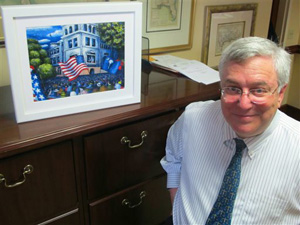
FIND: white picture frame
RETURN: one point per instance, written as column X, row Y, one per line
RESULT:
column 163, row 34
column 19, row 20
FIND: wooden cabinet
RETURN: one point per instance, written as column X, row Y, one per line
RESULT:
column 70, row 218
column 38, row 185
column 147, row 203
column 127, row 156
column 113, row 164
column 99, row 167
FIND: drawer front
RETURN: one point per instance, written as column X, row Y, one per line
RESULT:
column 45, row 192
column 70, row 218
column 112, row 166
column 145, row 204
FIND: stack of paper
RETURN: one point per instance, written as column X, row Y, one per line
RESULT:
column 193, row 69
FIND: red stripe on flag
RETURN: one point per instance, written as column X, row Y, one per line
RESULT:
column 71, row 69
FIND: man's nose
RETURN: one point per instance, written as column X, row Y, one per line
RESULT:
column 245, row 101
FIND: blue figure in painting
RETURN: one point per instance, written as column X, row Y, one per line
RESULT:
column 107, row 63
column 114, row 67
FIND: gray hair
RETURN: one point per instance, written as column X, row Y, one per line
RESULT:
column 245, row 48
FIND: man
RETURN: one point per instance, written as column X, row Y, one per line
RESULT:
column 254, row 73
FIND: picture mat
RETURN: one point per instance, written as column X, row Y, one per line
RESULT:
column 225, row 18
column 166, row 11
column 161, row 41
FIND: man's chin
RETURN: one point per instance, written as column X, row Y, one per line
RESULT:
column 246, row 132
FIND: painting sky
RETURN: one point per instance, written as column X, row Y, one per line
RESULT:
column 45, row 35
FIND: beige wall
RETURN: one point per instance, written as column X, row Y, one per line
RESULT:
column 292, row 37
column 293, row 92
column 4, row 77
column 261, row 29
column 261, row 26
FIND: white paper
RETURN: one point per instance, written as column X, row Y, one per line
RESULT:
column 193, row 69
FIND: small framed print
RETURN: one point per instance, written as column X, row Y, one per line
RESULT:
column 71, row 58
column 168, row 24
column 223, row 25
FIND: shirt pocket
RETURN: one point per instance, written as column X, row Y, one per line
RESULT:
column 261, row 208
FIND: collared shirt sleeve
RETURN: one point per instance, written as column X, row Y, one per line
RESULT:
column 171, row 162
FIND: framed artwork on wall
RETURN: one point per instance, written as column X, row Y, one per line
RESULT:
column 224, row 24
column 168, row 24
column 72, row 58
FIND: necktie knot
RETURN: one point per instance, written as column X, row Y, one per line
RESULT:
column 240, row 145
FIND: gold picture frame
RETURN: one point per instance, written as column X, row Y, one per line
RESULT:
column 224, row 24
column 168, row 37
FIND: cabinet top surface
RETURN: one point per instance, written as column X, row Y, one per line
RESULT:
column 160, row 92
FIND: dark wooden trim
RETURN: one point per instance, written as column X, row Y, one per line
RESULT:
column 291, row 111
column 2, row 44
column 294, row 49
column 274, row 12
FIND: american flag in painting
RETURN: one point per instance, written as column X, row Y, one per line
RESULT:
column 73, row 67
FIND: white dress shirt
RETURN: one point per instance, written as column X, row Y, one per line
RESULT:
column 199, row 148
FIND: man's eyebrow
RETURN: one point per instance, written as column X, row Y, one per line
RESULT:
column 230, row 81
column 258, row 83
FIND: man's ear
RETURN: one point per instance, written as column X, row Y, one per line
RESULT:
column 281, row 95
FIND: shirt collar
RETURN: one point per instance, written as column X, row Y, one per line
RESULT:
column 253, row 142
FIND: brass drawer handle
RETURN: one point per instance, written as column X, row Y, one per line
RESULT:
column 27, row 170
column 126, row 202
column 125, row 140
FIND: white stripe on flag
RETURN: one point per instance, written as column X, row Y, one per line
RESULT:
column 71, row 69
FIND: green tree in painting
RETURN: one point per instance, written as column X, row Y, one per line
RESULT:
column 38, row 58
column 35, row 62
column 112, row 34
column 46, row 71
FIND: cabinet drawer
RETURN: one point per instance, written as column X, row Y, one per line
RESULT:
column 150, row 204
column 48, row 191
column 70, row 218
column 112, row 166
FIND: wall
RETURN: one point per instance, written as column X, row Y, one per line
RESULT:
column 293, row 93
column 4, row 77
column 292, row 37
column 261, row 29
column 261, row 26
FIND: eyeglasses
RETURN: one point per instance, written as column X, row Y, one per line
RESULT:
column 256, row 96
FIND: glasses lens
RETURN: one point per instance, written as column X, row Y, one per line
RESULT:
column 257, row 99
column 231, row 94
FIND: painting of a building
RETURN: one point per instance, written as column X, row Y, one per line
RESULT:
column 79, row 39
column 76, row 59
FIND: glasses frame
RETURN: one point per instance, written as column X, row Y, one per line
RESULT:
column 241, row 92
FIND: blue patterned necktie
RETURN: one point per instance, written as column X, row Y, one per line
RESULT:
column 222, row 210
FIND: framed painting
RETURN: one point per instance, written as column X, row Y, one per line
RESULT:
column 168, row 24
column 72, row 58
column 223, row 25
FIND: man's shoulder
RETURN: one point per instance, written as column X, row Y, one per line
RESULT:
column 203, row 106
column 289, row 124
column 203, row 113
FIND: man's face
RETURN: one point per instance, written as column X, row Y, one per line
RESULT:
column 248, row 119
